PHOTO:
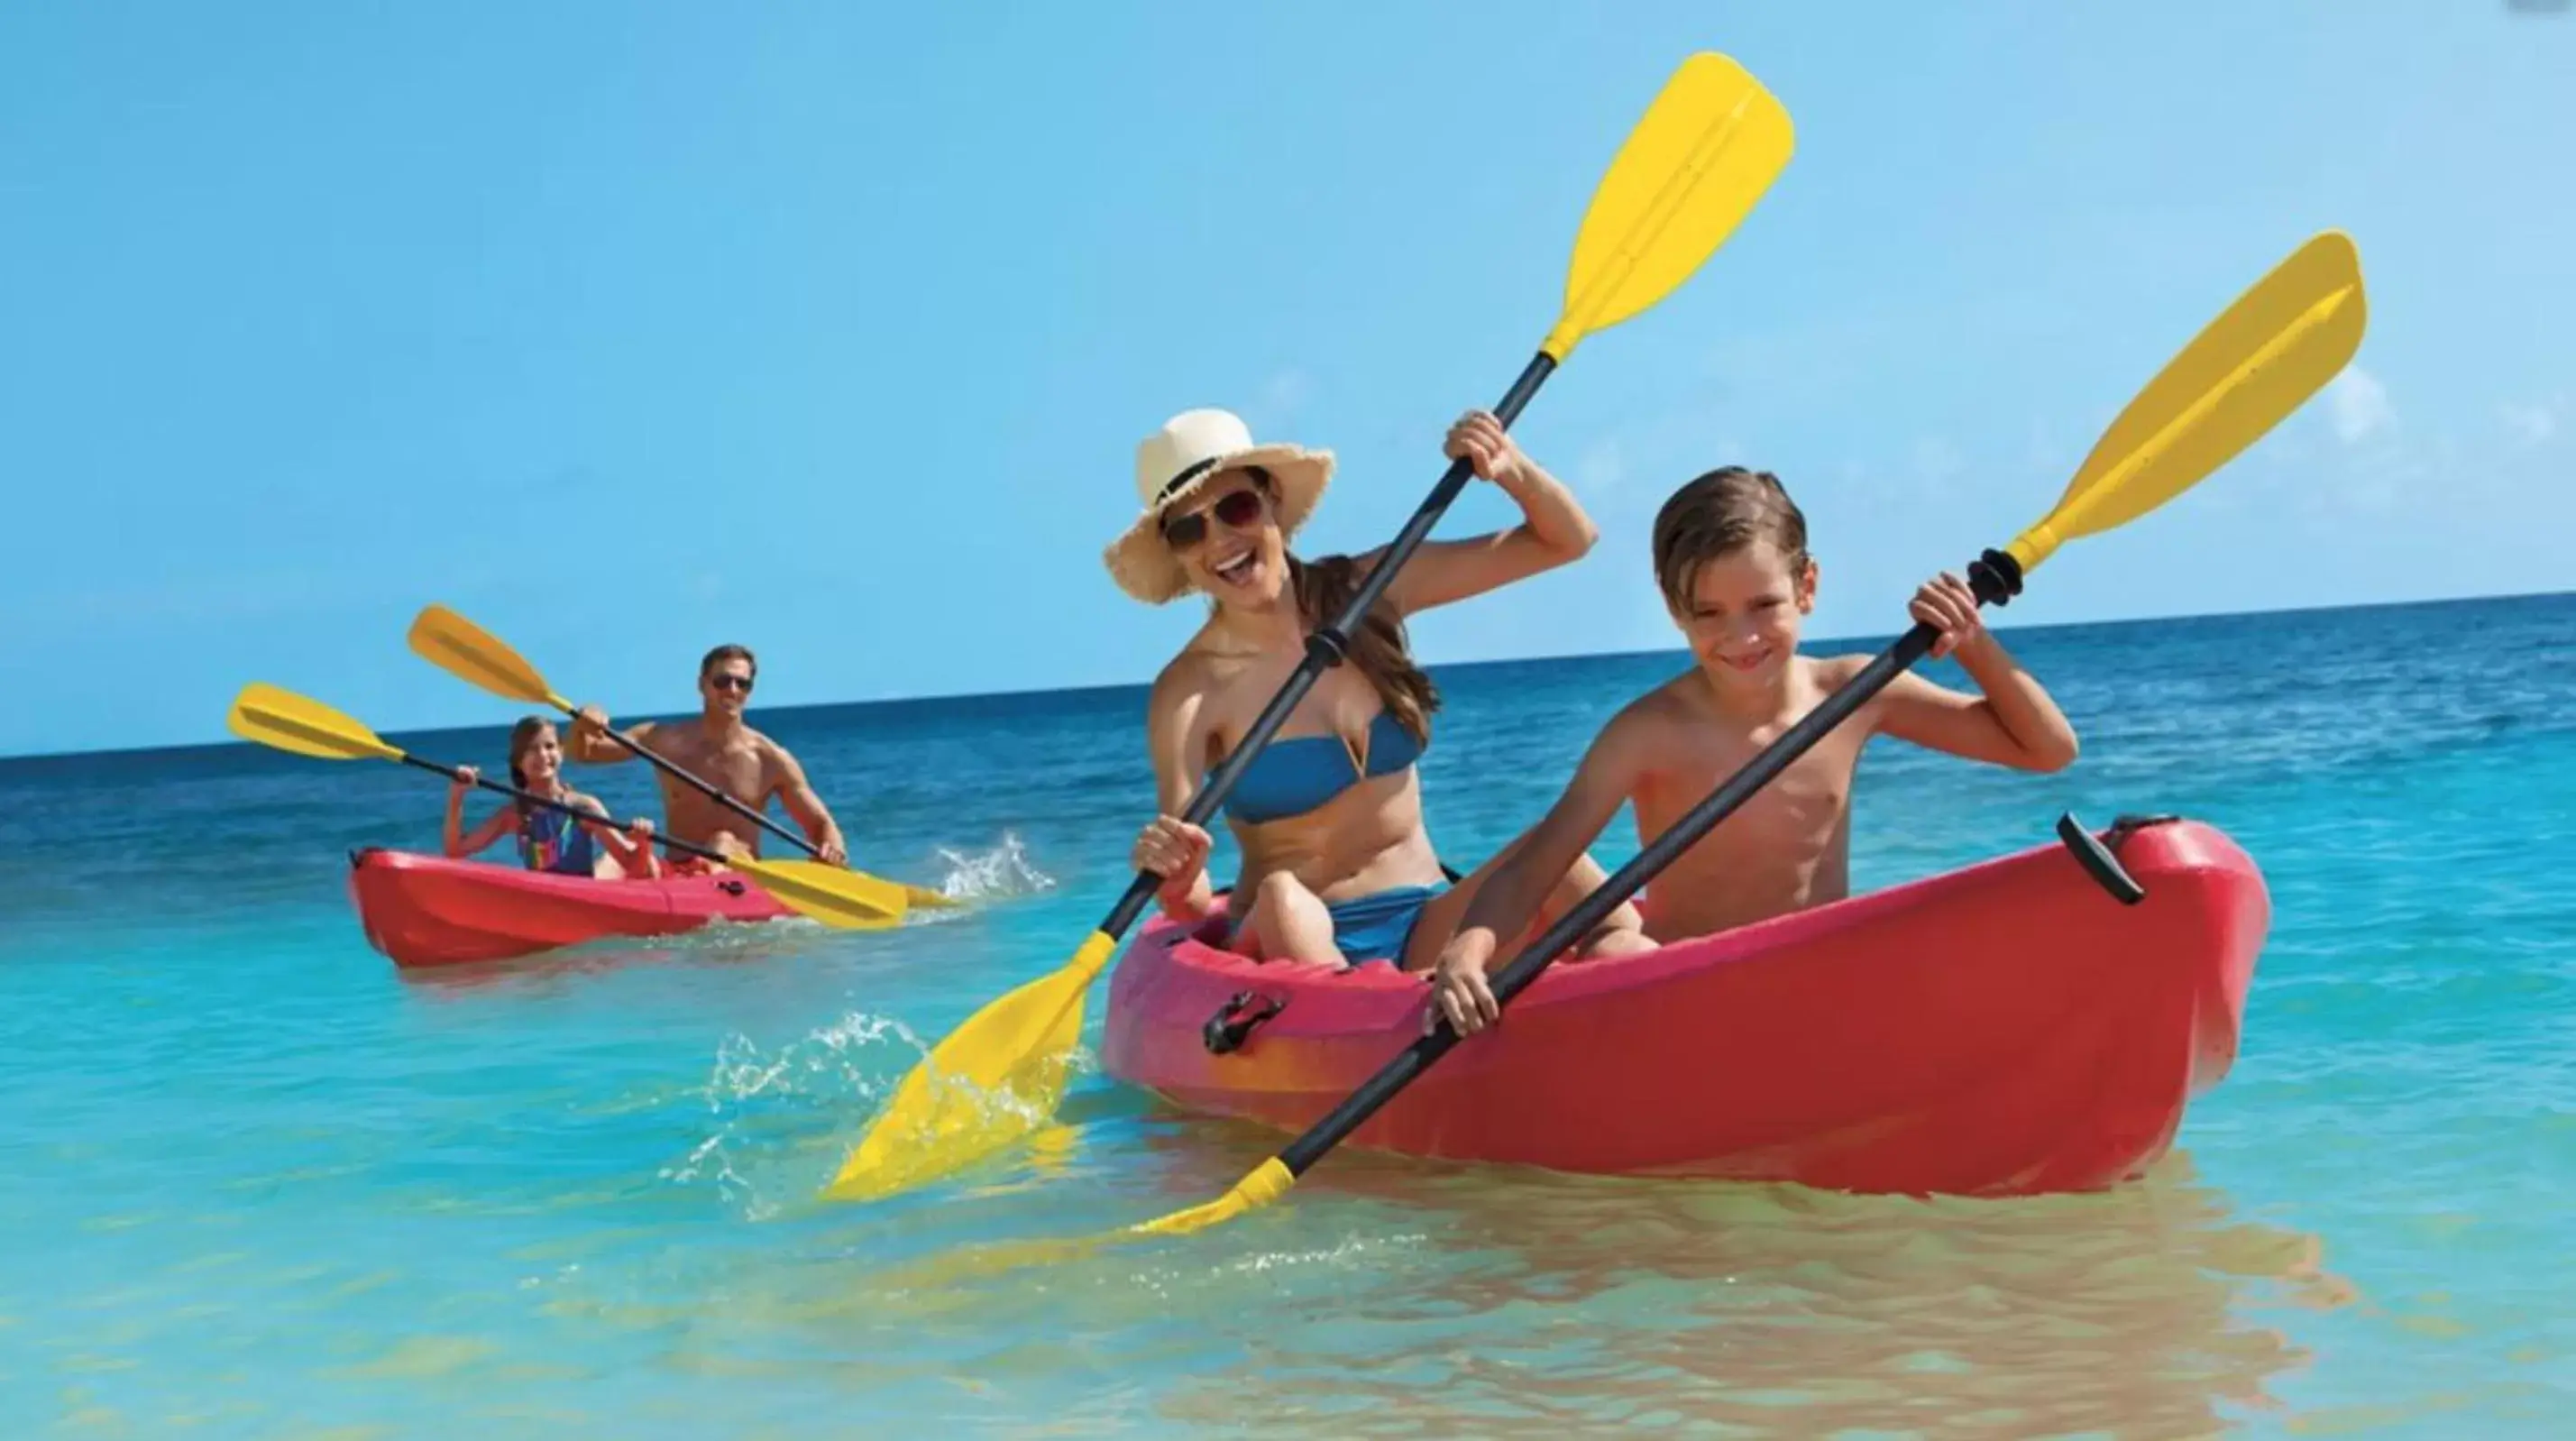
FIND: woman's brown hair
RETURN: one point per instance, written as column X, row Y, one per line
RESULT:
column 1323, row 587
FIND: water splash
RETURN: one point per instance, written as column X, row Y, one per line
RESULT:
column 783, row 1116
column 768, row 1105
column 1001, row 872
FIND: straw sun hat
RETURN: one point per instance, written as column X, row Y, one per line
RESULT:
column 1174, row 463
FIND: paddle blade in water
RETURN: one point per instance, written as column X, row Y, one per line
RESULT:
column 850, row 900
column 934, row 900
column 290, row 722
column 1685, row 178
column 1259, row 1187
column 997, row 1077
column 474, row 655
column 2243, row 374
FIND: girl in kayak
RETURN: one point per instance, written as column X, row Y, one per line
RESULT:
column 1731, row 559
column 1337, row 866
column 549, row 840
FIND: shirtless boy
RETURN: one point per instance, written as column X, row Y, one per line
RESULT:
column 1731, row 558
column 725, row 753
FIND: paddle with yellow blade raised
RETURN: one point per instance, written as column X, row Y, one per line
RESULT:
column 1686, row 176
column 475, row 655
column 2259, row 361
column 286, row 721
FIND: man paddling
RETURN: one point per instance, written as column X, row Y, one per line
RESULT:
column 729, row 755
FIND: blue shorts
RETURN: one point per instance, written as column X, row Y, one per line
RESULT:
column 1376, row 927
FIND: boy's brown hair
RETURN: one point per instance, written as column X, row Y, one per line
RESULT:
column 1717, row 514
column 708, row 663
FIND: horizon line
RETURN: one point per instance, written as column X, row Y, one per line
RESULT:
column 12, row 758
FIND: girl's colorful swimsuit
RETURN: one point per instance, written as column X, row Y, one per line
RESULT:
column 1294, row 776
column 553, row 842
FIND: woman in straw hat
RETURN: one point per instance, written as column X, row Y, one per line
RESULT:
column 1337, row 866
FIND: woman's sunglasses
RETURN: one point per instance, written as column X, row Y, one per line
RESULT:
column 1237, row 508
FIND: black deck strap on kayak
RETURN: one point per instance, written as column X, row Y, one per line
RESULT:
column 1225, row 1031
column 732, row 888
column 2099, row 859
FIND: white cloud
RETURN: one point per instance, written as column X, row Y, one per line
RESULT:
column 1601, row 467
column 2361, row 407
column 1282, row 396
column 2044, row 453
column 2531, row 425
column 1936, row 463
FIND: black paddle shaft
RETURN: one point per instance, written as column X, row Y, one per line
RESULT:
column 1995, row 578
column 1325, row 648
column 575, row 812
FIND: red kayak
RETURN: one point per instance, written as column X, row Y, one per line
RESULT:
column 2031, row 1023
column 431, row 911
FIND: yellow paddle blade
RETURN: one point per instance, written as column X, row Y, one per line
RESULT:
column 1686, row 177
column 474, row 655
column 1262, row 1185
column 851, row 900
column 997, row 1077
column 1259, row 1187
column 2244, row 373
column 290, row 722
column 934, row 900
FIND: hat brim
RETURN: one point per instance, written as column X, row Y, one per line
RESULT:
column 1145, row 567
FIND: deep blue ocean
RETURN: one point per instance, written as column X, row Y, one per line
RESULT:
column 260, row 1183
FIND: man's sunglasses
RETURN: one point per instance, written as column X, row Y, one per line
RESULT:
column 730, row 681
column 1237, row 508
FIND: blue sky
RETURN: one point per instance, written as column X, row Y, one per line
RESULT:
column 627, row 329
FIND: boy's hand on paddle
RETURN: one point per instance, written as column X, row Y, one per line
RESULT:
column 1488, row 449
column 1458, row 989
column 590, row 720
column 1946, row 602
column 640, row 830
column 1173, row 849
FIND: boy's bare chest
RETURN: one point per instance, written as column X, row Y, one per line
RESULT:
column 1812, row 791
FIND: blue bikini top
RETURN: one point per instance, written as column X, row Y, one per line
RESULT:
column 1294, row 776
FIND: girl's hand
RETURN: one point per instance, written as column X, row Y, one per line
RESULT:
column 640, row 831
column 1481, row 441
column 1173, row 849
column 1945, row 602
column 465, row 778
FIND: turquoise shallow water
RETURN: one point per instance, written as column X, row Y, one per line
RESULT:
column 262, row 1184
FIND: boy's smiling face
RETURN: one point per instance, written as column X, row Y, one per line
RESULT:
column 1744, row 613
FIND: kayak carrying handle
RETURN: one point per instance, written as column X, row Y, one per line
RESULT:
column 1233, row 1021
column 2098, row 858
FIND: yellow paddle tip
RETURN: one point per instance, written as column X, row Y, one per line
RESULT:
column 1262, row 1185
column 1707, row 148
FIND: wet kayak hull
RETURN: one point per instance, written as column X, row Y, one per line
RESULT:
column 2008, row 1028
column 421, row 910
